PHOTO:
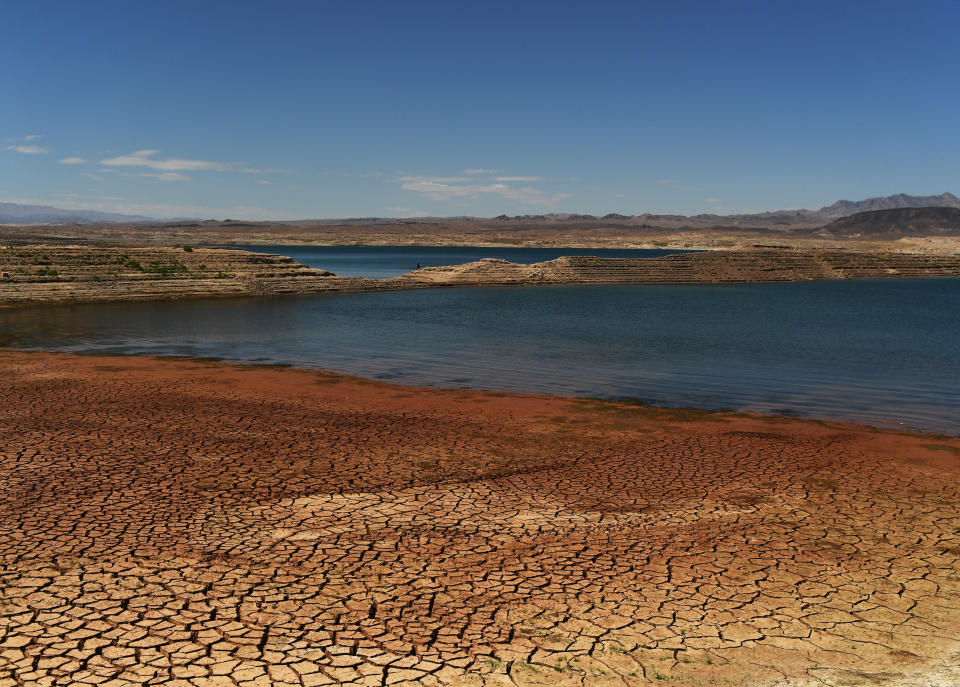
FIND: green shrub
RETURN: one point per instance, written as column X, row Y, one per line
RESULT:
column 125, row 261
column 175, row 267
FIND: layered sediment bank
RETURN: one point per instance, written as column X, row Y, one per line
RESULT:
column 692, row 268
column 52, row 274
column 49, row 274
column 199, row 524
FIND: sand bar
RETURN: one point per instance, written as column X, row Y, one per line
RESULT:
column 191, row 523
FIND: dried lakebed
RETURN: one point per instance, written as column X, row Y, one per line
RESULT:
column 194, row 524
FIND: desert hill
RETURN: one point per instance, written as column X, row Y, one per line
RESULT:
column 897, row 223
column 845, row 208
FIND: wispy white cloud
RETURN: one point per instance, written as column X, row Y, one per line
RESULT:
column 146, row 158
column 29, row 149
column 261, row 170
column 166, row 176
column 519, row 178
column 32, row 137
column 480, row 171
column 73, row 161
column 438, row 180
column 92, row 177
column 444, row 189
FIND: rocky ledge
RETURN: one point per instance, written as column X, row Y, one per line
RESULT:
column 45, row 274
column 50, row 274
column 705, row 267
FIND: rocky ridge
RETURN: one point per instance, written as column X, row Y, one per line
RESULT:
column 895, row 224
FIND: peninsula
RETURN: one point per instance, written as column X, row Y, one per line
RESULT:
column 43, row 273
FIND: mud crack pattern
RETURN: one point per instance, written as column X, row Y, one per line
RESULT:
column 180, row 523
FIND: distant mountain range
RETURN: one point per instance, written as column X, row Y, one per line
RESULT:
column 843, row 208
column 14, row 213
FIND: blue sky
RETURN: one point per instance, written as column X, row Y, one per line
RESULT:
column 335, row 109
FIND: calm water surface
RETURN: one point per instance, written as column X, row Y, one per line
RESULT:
column 381, row 262
column 886, row 352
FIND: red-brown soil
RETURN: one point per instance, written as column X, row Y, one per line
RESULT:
column 187, row 523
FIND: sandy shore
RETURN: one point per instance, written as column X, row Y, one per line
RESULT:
column 188, row 523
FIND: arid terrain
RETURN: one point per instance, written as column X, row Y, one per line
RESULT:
column 38, row 274
column 893, row 223
column 899, row 217
column 197, row 524
column 879, row 237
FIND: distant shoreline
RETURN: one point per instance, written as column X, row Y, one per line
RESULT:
column 47, row 273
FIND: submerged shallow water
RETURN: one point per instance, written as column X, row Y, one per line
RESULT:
column 884, row 352
column 381, row 262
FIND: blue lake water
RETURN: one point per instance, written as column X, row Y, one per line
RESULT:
column 885, row 352
column 381, row 262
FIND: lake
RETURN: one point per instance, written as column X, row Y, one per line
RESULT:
column 884, row 352
column 381, row 262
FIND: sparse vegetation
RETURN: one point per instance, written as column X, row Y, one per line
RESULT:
column 526, row 666
column 167, row 270
column 492, row 663
column 566, row 664
column 125, row 261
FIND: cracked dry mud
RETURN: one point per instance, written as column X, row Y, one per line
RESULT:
column 181, row 523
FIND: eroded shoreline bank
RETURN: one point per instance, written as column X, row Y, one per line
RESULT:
column 193, row 521
column 73, row 274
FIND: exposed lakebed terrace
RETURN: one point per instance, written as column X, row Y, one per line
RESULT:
column 383, row 262
column 884, row 352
